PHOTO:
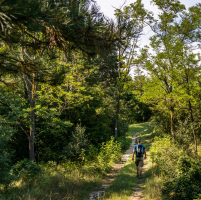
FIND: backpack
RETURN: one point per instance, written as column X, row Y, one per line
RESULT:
column 139, row 150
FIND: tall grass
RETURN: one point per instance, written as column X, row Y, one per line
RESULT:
column 64, row 181
column 153, row 188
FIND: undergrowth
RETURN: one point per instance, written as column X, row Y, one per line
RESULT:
column 176, row 171
column 69, row 180
column 73, row 180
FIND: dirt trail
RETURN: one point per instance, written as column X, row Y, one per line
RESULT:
column 137, row 193
column 116, row 168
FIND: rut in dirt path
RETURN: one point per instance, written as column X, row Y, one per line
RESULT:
column 116, row 168
column 137, row 193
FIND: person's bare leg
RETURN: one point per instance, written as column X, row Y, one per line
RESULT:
column 137, row 168
column 140, row 170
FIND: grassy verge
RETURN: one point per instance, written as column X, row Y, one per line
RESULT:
column 153, row 188
column 126, row 181
column 62, row 182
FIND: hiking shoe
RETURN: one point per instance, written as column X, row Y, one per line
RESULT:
column 140, row 176
column 137, row 175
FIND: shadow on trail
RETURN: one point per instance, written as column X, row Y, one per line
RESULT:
column 124, row 182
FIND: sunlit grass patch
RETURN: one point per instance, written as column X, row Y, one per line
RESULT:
column 135, row 128
column 153, row 188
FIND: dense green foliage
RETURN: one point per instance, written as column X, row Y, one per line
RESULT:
column 180, row 169
column 59, row 80
column 71, row 81
column 60, row 83
column 26, row 169
column 65, row 180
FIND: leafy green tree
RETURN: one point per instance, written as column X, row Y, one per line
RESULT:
column 138, row 110
column 173, row 66
column 38, row 35
column 132, row 19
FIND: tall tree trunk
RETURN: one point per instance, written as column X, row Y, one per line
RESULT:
column 31, row 90
column 116, row 119
column 191, row 115
column 118, row 99
column 32, row 130
column 193, row 129
column 78, row 77
column 172, row 122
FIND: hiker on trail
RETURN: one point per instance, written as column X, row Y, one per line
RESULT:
column 139, row 150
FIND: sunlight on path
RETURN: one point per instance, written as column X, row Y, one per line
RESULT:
column 116, row 168
column 138, row 195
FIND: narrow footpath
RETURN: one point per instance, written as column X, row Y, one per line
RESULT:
column 137, row 192
column 111, row 176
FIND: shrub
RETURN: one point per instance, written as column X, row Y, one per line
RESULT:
column 26, row 169
column 186, row 185
column 92, row 153
column 181, row 169
column 5, row 166
column 124, row 142
column 77, row 144
column 5, row 158
column 198, row 197
column 109, row 152
column 165, row 155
